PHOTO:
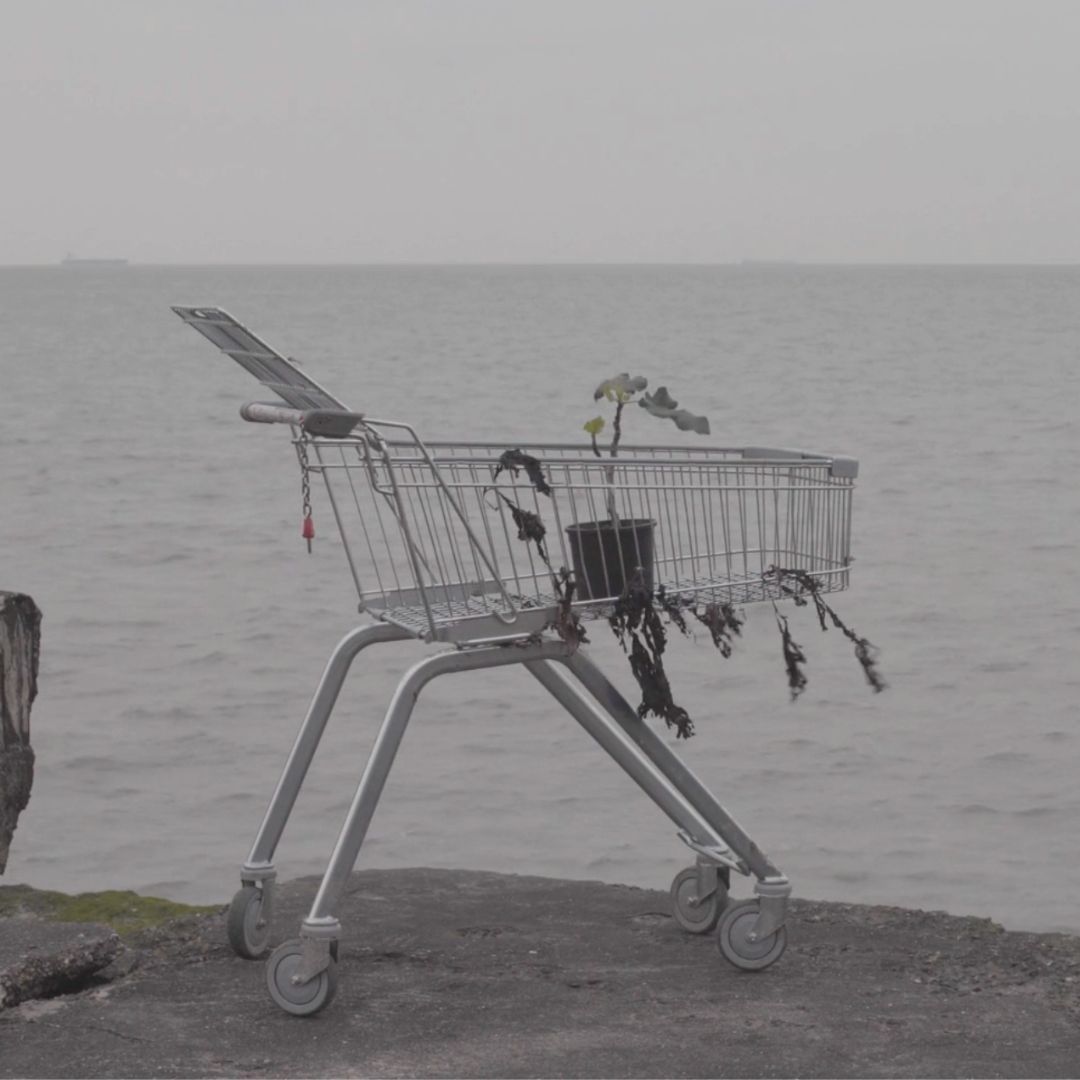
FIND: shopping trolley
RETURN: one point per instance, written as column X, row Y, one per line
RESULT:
column 435, row 541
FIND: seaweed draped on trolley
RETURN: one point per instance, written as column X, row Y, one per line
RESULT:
column 457, row 542
column 433, row 548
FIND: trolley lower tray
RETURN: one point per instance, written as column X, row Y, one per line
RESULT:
column 466, row 612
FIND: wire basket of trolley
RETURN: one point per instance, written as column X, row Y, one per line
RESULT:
column 507, row 555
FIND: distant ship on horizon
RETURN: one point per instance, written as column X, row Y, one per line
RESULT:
column 71, row 260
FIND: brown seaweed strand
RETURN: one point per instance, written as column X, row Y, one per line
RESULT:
column 529, row 526
column 656, row 700
column 513, row 460
column 865, row 651
column 567, row 624
column 794, row 657
column 673, row 610
column 722, row 621
column 635, row 619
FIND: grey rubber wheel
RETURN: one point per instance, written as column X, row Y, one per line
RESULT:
column 304, row 999
column 696, row 918
column 249, row 933
column 733, row 938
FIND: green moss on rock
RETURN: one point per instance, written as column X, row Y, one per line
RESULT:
column 126, row 912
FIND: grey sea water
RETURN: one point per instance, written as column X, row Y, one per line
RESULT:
column 186, row 626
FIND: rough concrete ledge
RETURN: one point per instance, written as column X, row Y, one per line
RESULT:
column 455, row 973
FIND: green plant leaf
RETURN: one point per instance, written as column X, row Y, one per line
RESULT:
column 615, row 387
column 662, row 404
column 595, row 425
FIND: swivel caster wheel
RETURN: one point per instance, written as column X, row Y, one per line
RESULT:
column 248, row 931
column 734, row 938
column 300, row 999
column 693, row 915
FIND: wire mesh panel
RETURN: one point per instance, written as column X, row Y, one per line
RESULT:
column 443, row 541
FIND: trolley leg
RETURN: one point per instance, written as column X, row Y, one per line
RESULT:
column 772, row 887
column 647, row 776
column 251, row 911
column 259, row 865
column 668, row 763
column 311, row 960
column 320, row 923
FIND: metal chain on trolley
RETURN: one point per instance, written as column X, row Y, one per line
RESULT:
column 307, row 530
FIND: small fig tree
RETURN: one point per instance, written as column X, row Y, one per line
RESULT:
column 621, row 389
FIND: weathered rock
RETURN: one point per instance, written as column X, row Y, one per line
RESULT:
column 20, row 645
column 16, row 778
column 41, row 959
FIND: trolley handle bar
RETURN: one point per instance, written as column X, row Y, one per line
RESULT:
column 326, row 423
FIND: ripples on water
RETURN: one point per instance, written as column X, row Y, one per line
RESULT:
column 185, row 627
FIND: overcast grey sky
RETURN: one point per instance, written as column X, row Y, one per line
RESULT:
column 540, row 130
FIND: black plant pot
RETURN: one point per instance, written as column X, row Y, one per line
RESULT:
column 605, row 557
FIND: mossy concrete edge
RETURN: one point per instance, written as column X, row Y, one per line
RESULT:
column 125, row 911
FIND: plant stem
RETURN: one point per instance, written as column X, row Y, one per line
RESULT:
column 614, row 451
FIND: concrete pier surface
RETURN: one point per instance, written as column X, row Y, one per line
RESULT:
column 458, row 973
